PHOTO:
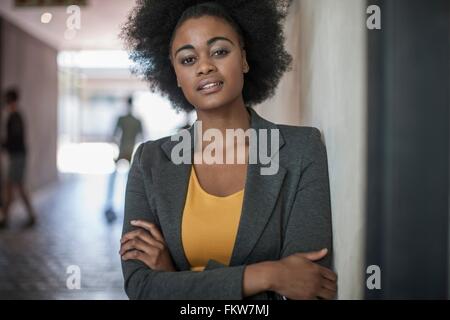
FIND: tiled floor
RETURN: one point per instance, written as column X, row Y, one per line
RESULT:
column 71, row 230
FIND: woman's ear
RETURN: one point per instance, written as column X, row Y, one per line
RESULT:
column 245, row 66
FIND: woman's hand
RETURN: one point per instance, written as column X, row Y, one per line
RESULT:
column 146, row 244
column 298, row 277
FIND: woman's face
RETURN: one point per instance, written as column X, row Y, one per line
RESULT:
column 206, row 51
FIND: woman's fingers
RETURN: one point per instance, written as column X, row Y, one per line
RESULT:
column 150, row 227
column 314, row 255
column 142, row 235
column 330, row 285
column 135, row 255
column 328, row 274
column 324, row 293
column 136, row 244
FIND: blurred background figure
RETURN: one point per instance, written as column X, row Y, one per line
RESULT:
column 128, row 131
column 16, row 149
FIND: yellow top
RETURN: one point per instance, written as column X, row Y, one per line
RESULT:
column 209, row 225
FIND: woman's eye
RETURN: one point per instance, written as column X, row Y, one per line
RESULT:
column 188, row 60
column 221, row 52
column 191, row 60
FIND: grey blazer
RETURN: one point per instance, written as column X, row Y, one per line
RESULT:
column 282, row 214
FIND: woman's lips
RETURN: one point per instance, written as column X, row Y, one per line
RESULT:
column 212, row 89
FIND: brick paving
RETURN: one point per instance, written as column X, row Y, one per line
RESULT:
column 71, row 230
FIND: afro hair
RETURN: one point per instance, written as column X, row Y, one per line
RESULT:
column 259, row 23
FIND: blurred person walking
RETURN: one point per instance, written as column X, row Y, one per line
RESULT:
column 129, row 129
column 15, row 147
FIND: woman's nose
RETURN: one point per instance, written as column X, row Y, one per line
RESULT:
column 205, row 66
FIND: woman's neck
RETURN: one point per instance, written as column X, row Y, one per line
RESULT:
column 223, row 118
column 231, row 117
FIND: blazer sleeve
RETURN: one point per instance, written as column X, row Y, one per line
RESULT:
column 266, row 295
column 141, row 282
column 309, row 223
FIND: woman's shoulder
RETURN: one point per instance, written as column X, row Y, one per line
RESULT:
column 154, row 145
column 151, row 152
column 300, row 135
column 301, row 142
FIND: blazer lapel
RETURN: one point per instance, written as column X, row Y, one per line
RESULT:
column 172, row 181
column 260, row 196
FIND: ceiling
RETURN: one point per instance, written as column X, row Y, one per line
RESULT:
column 101, row 22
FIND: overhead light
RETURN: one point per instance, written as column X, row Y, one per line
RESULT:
column 46, row 17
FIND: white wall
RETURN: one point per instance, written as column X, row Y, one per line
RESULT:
column 327, row 89
column 31, row 66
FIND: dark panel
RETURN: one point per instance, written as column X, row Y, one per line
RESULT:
column 1, row 104
column 408, row 155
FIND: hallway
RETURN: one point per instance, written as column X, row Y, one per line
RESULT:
column 378, row 95
column 71, row 230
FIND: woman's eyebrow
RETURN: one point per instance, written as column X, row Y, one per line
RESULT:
column 209, row 43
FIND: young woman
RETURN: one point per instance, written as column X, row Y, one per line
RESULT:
column 223, row 231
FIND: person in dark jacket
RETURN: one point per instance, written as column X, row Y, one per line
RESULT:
column 15, row 147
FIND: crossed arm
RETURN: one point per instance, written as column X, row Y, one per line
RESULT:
column 301, row 273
